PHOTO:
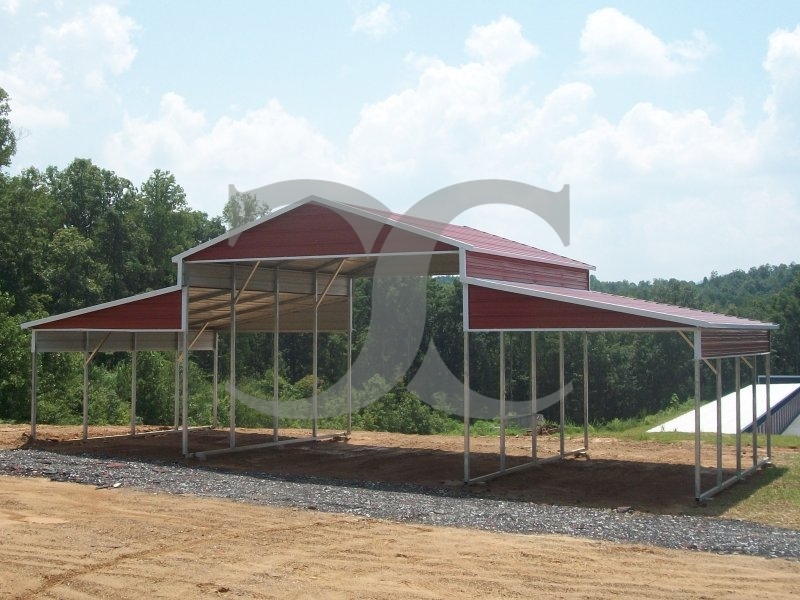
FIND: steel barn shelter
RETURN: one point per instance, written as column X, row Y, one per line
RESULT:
column 293, row 271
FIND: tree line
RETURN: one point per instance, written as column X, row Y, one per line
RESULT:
column 80, row 235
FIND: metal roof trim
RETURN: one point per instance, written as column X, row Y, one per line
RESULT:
column 370, row 255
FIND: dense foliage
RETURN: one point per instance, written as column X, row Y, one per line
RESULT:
column 81, row 235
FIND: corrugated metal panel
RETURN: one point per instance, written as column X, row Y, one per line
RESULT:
column 506, row 268
column 677, row 315
column 209, row 276
column 480, row 240
column 314, row 230
column 502, row 310
column 718, row 343
column 327, row 228
column 255, row 312
column 161, row 311
column 74, row 341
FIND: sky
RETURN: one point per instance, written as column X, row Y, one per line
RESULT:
column 675, row 124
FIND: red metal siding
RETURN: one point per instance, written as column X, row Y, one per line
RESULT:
column 505, row 268
column 715, row 343
column 494, row 309
column 157, row 312
column 314, row 230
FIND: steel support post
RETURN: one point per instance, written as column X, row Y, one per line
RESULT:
column 215, row 384
column 177, row 384
column 350, row 302
column 502, row 401
column 276, row 357
column 86, row 386
column 561, row 394
column 185, row 373
column 719, row 421
column 133, row 386
column 534, row 402
column 34, row 369
column 232, row 377
column 697, row 392
column 767, row 373
column 755, row 411
column 315, row 359
column 586, row 392
column 466, row 407
column 738, row 382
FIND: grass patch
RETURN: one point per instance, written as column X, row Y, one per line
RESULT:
column 770, row 496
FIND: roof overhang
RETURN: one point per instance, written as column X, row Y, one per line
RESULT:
column 503, row 306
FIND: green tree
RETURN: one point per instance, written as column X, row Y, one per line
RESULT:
column 786, row 341
column 8, row 140
column 243, row 208
column 170, row 227
column 29, row 217
column 15, row 363
column 74, row 277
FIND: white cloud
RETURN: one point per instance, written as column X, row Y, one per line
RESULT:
column 500, row 43
column 651, row 189
column 452, row 117
column 94, row 42
column 379, row 21
column 783, row 56
column 80, row 50
column 265, row 144
column 9, row 6
column 615, row 44
column 782, row 63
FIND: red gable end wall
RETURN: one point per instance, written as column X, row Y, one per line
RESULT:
column 316, row 230
column 159, row 312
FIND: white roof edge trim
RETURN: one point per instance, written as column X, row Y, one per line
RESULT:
column 321, row 257
column 106, row 330
column 565, row 297
column 90, row 309
column 588, row 329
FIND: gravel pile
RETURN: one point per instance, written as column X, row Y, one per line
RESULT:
column 452, row 508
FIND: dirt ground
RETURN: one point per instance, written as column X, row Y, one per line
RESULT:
column 62, row 540
column 645, row 475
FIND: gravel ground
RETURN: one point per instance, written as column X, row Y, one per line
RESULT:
column 406, row 503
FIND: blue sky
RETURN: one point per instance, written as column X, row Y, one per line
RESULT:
column 675, row 123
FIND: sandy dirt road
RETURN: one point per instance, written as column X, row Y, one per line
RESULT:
column 64, row 540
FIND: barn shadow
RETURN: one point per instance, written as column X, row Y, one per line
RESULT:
column 597, row 482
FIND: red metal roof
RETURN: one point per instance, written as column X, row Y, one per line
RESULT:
column 628, row 312
column 320, row 227
column 478, row 240
column 553, row 293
